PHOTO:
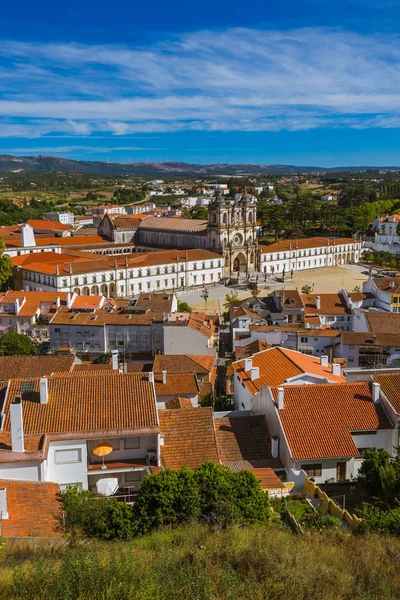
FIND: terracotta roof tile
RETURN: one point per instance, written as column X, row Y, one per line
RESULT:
column 302, row 244
column 369, row 339
column 331, row 304
column 277, row 365
column 155, row 301
column 90, row 401
column 381, row 322
column 183, row 363
column 196, row 225
column 318, row 419
column 178, row 384
column 243, row 438
column 31, row 507
column 177, row 403
column 12, row 367
column 390, row 386
column 242, row 352
column 189, row 437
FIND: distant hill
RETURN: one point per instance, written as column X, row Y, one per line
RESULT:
column 48, row 164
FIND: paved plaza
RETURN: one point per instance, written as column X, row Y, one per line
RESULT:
column 323, row 280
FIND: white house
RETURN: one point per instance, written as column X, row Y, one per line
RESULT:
column 325, row 429
column 279, row 366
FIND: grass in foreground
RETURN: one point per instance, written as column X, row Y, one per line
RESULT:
column 197, row 563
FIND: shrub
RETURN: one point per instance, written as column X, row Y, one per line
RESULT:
column 378, row 520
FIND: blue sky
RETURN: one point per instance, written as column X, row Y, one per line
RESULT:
column 314, row 82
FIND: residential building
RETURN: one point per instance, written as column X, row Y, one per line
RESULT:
column 202, row 366
column 330, row 310
column 51, row 425
column 66, row 218
column 192, row 333
column 278, row 366
column 127, row 329
column 325, row 429
column 169, row 386
column 109, row 209
column 369, row 350
column 386, row 292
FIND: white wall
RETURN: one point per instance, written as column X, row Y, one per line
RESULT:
column 75, row 472
column 24, row 471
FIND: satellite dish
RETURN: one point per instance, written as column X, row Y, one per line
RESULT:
column 107, row 486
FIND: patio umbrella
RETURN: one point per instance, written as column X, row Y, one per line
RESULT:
column 107, row 486
column 103, row 450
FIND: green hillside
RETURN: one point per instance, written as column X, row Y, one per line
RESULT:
column 199, row 563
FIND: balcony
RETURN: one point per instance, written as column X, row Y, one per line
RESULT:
column 119, row 466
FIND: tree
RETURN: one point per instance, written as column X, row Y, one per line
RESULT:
column 231, row 298
column 357, row 289
column 184, row 307
column 15, row 344
column 379, row 474
column 306, row 289
column 5, row 264
column 205, row 294
column 199, row 212
column 255, row 292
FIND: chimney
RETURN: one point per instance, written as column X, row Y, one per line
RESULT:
column 17, row 428
column 275, row 447
column 375, row 392
column 114, row 358
column 335, row 369
column 125, row 367
column 3, row 504
column 254, row 373
column 324, row 360
column 58, row 302
column 281, row 393
column 44, row 390
column 374, row 339
column 248, row 363
column 164, row 376
column 151, row 376
column 318, row 302
column 392, row 284
column 16, row 305
column 68, row 300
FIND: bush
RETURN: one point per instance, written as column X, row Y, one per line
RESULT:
column 378, row 520
column 17, row 344
column 184, row 307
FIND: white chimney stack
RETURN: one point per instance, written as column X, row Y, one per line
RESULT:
column 254, row 373
column 164, row 376
column 248, row 363
column 375, row 392
column 151, row 376
column 318, row 302
column 324, row 361
column 17, row 428
column 125, row 367
column 275, row 447
column 68, row 300
column 335, row 369
column 114, row 358
column 58, row 302
column 44, row 390
column 281, row 394
column 16, row 305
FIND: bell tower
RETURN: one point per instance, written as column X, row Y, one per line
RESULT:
column 232, row 232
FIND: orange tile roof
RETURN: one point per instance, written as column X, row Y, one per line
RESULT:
column 87, row 302
column 277, row 365
column 369, row 339
column 318, row 419
column 33, row 366
column 178, row 384
column 101, row 317
column 48, row 225
column 382, row 322
column 33, row 302
column 268, row 479
column 31, row 508
column 177, row 403
column 390, row 386
column 155, row 301
column 189, row 437
column 302, row 244
column 388, row 284
column 90, row 401
column 242, row 352
column 243, row 438
column 193, row 225
column 330, row 304
column 183, row 363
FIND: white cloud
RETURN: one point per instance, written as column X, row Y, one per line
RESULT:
column 236, row 79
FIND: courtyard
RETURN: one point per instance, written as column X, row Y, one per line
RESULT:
column 322, row 281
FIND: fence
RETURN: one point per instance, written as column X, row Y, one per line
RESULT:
column 331, row 506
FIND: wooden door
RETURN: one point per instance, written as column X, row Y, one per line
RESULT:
column 341, row 471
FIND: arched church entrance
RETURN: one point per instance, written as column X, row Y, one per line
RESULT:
column 240, row 264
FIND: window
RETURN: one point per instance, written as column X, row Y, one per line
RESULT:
column 157, row 284
column 57, row 330
column 131, row 443
column 69, row 455
column 350, row 359
column 132, row 476
column 121, row 275
column 304, row 340
column 313, row 470
column 65, row 282
column 85, row 280
column 76, row 281
column 194, row 266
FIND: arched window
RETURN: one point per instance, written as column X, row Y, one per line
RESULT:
column 225, row 219
column 250, row 217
